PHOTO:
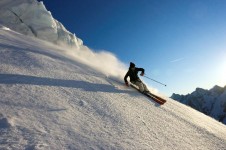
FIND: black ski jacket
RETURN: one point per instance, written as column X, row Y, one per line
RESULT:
column 133, row 74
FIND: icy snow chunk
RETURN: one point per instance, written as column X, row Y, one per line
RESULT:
column 3, row 27
column 39, row 146
column 5, row 122
column 82, row 103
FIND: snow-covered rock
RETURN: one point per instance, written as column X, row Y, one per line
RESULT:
column 50, row 100
column 211, row 102
column 30, row 17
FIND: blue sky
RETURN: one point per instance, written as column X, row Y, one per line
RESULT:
column 181, row 43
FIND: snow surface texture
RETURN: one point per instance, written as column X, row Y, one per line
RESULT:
column 52, row 100
column 30, row 17
column 211, row 102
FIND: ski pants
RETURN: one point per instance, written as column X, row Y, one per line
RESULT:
column 141, row 85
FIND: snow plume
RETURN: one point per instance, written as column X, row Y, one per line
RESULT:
column 103, row 61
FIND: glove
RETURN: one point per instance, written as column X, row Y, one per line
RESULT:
column 127, row 84
column 142, row 74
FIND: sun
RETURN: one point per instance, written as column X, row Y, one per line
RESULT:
column 222, row 73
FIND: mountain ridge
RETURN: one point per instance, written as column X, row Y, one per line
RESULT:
column 211, row 102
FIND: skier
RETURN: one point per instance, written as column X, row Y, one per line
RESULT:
column 132, row 73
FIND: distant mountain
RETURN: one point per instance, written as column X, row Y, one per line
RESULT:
column 210, row 102
column 30, row 17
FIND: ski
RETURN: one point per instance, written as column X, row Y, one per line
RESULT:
column 153, row 97
column 161, row 99
column 156, row 98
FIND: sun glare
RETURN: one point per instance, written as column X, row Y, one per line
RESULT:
column 222, row 73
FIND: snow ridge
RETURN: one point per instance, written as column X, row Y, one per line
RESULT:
column 30, row 17
column 49, row 100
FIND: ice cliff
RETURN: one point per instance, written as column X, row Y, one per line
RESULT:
column 30, row 17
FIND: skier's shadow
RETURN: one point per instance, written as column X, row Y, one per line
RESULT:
column 44, row 81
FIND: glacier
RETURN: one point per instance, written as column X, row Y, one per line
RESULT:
column 31, row 18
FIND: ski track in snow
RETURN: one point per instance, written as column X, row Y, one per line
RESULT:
column 51, row 101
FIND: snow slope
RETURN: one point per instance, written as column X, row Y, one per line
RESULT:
column 49, row 100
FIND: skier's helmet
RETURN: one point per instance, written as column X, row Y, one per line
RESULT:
column 132, row 65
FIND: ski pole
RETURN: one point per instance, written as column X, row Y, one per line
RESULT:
column 154, row 80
